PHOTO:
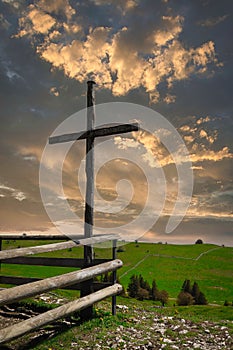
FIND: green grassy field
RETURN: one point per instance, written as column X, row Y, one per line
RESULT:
column 170, row 265
column 209, row 265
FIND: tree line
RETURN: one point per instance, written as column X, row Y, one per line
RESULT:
column 191, row 294
column 140, row 289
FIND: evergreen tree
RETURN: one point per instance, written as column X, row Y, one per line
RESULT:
column 133, row 286
column 195, row 292
column 105, row 277
column 147, row 287
column 154, row 290
column 144, row 284
column 202, row 299
column 141, row 281
column 186, row 287
column 189, row 296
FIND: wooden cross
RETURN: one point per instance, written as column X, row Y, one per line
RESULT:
column 90, row 134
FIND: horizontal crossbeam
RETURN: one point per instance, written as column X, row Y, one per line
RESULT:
column 98, row 132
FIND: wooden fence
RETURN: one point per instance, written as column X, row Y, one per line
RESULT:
column 28, row 287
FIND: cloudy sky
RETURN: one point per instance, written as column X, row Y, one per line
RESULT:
column 173, row 56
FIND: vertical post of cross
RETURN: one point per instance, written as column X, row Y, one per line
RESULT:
column 89, row 204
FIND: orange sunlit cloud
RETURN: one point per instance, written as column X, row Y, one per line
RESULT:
column 115, row 61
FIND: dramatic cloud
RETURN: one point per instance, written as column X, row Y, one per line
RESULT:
column 12, row 192
column 211, row 22
column 122, row 5
column 115, row 60
column 156, row 154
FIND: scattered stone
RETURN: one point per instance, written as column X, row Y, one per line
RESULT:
column 122, row 307
column 149, row 331
column 166, row 340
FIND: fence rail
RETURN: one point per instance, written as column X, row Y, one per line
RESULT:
column 65, row 262
column 45, row 318
column 14, row 294
column 13, row 253
column 28, row 287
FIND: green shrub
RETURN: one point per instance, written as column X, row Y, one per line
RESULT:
column 185, row 299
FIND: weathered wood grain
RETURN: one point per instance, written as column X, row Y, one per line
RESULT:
column 13, row 253
column 14, row 294
column 97, row 132
column 43, row 261
column 31, row 324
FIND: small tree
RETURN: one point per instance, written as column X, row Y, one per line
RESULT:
column 154, row 290
column 120, row 250
column 162, row 296
column 133, row 286
column 141, row 289
column 144, row 284
column 105, row 277
column 202, row 299
column 195, row 292
column 186, row 287
column 184, row 299
column 143, row 294
column 199, row 241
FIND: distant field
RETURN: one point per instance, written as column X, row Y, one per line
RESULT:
column 170, row 265
column 209, row 265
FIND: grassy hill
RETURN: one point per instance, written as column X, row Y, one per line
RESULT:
column 141, row 323
column 209, row 265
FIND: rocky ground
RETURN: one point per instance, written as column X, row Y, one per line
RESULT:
column 134, row 328
column 150, row 331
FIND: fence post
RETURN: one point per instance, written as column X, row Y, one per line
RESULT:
column 114, row 276
column 0, row 250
